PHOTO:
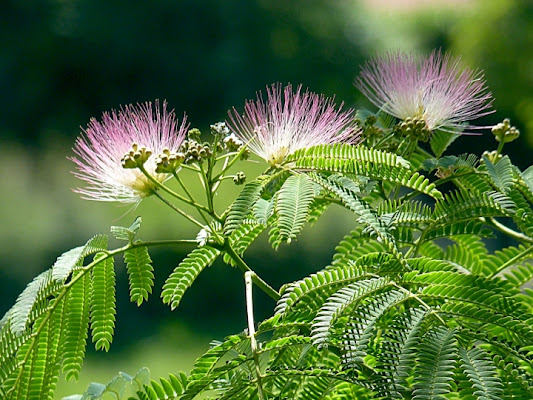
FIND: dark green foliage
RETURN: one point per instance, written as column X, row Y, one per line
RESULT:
column 436, row 359
column 481, row 373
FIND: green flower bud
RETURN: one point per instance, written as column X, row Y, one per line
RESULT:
column 135, row 157
column 239, row 178
column 504, row 132
column 194, row 134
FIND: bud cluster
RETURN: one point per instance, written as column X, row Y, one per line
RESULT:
column 493, row 156
column 415, row 128
column 194, row 151
column 504, row 132
column 168, row 161
column 135, row 157
column 239, row 178
column 369, row 127
column 220, row 128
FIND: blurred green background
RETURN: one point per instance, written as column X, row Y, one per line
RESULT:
column 64, row 61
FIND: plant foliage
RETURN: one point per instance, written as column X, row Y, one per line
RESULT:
column 420, row 300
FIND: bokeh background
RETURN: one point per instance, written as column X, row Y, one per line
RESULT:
column 65, row 61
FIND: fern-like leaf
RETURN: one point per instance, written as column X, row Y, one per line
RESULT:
column 20, row 312
column 337, row 303
column 68, row 260
column 242, row 206
column 185, row 273
column 292, row 206
column 434, row 371
column 140, row 273
column 481, row 373
column 500, row 173
column 77, row 303
column 398, row 350
column 358, row 336
column 103, row 304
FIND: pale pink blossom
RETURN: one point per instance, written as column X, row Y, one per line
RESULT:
column 102, row 145
column 437, row 89
column 288, row 121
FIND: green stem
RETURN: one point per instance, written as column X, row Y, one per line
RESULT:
column 230, row 164
column 422, row 302
column 499, row 149
column 171, row 192
column 207, row 187
column 190, row 197
column 508, row 231
column 72, row 282
column 513, row 260
column 183, row 213
column 261, row 284
column 451, row 177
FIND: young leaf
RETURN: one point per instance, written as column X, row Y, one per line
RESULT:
column 123, row 233
column 77, row 303
column 68, row 260
column 501, row 173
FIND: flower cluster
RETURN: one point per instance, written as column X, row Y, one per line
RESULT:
column 437, row 89
column 289, row 121
column 107, row 151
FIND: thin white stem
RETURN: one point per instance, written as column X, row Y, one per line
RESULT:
column 248, row 275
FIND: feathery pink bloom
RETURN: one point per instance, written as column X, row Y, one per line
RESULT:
column 437, row 89
column 100, row 150
column 290, row 121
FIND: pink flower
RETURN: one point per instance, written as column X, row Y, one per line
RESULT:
column 100, row 149
column 436, row 89
column 290, row 121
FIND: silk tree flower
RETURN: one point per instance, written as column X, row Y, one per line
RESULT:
column 102, row 145
column 289, row 121
column 436, row 89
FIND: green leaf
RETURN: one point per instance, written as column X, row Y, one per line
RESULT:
column 77, row 303
column 185, row 273
column 242, row 206
column 68, row 260
column 292, row 206
column 398, row 350
column 242, row 238
column 440, row 140
column 37, row 290
column 358, row 336
column 501, row 173
column 140, row 273
column 341, row 156
column 103, row 304
column 123, row 233
column 336, row 305
column 527, row 176
column 437, row 355
column 481, row 373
